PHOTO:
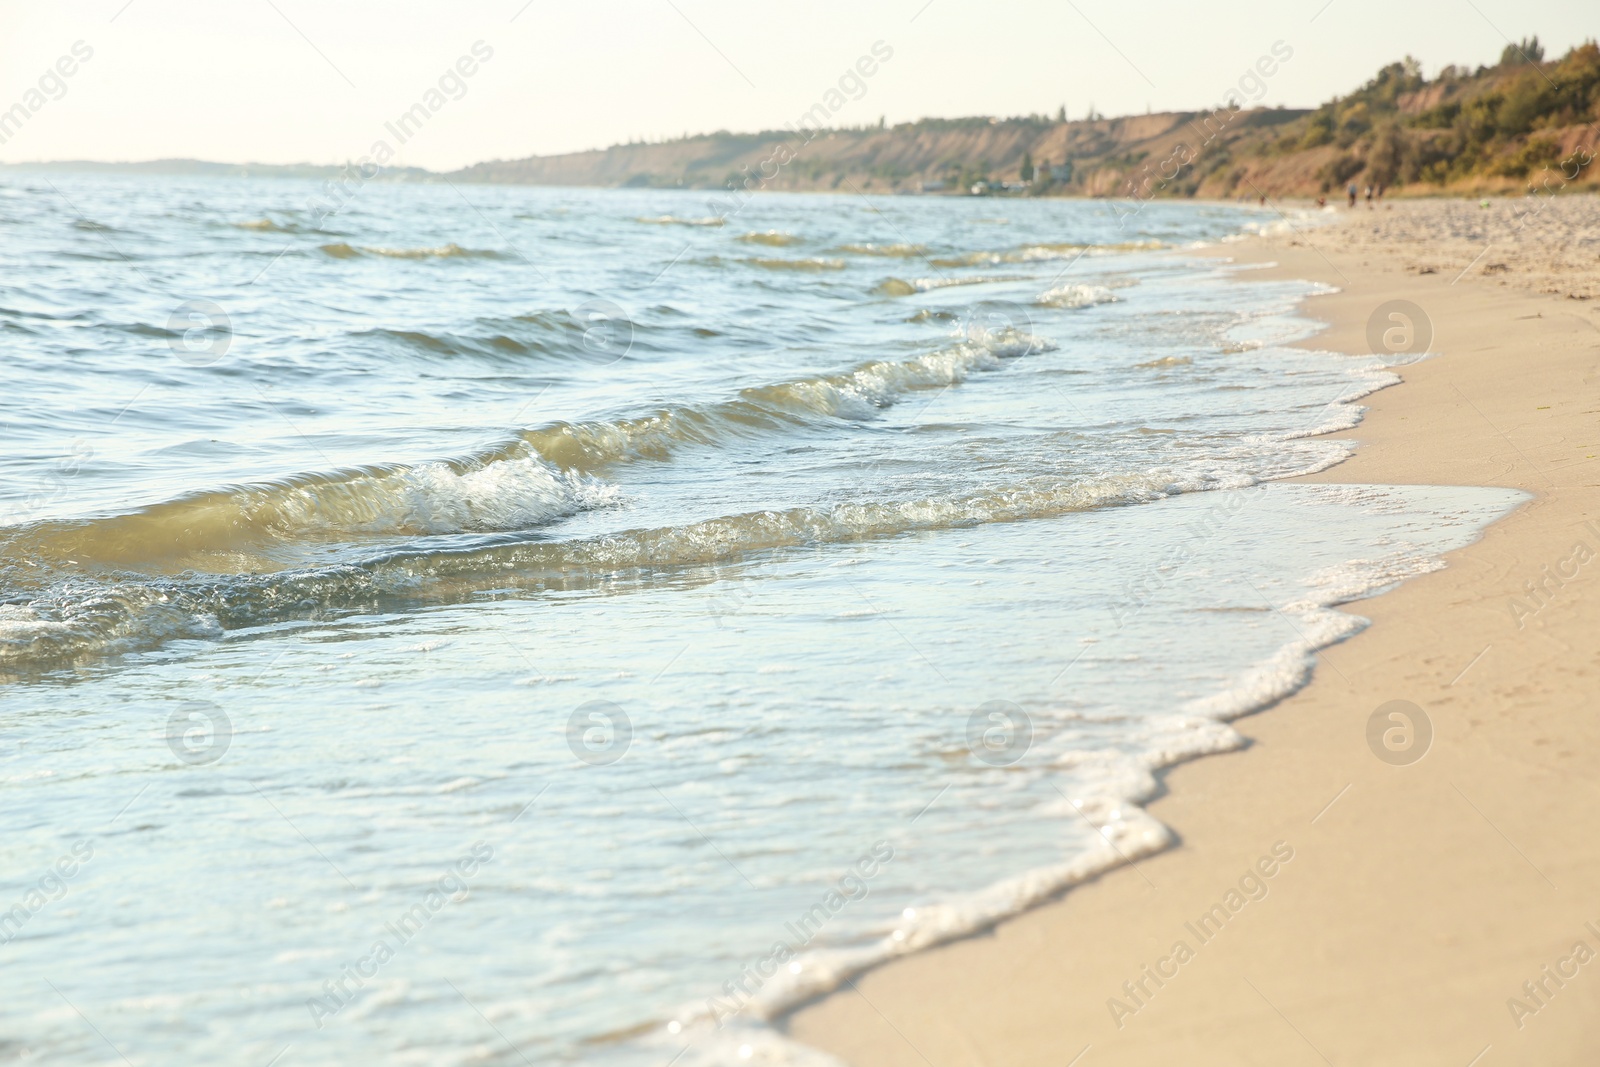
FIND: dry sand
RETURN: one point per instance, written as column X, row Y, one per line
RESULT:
column 1420, row 898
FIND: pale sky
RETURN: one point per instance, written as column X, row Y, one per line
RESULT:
column 283, row 81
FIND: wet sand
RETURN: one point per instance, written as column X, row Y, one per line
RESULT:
column 1440, row 911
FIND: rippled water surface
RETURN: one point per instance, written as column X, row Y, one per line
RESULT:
column 505, row 624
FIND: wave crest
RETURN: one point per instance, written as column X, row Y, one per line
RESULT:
column 1077, row 296
column 674, row 220
column 771, row 238
column 342, row 250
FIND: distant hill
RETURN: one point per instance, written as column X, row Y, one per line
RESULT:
column 1069, row 157
column 1085, row 157
column 1494, row 129
column 1525, row 121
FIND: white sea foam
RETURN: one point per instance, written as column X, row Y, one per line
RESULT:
column 1077, row 296
column 1344, row 413
column 109, row 624
column 927, row 284
column 674, row 220
column 1129, row 835
column 1293, row 221
column 512, row 493
column 1118, row 785
column 507, row 494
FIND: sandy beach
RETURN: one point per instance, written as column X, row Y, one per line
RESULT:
column 1363, row 910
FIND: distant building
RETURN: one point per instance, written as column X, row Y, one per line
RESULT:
column 933, row 187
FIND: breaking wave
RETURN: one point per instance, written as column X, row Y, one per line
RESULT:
column 901, row 287
column 341, row 250
column 674, row 220
column 813, row 264
column 1077, row 296
column 771, row 238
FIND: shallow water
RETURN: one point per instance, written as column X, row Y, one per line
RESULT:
column 630, row 624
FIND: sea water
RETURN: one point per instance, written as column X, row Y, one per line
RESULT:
column 501, row 625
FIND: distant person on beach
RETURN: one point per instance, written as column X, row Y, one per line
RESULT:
column 1352, row 192
column 1369, row 198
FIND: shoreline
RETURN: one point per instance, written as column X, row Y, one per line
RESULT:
column 1424, row 895
column 1507, row 190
